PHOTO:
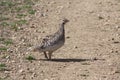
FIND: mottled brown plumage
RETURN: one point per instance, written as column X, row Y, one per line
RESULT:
column 53, row 42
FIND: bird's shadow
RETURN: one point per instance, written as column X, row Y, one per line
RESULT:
column 68, row 60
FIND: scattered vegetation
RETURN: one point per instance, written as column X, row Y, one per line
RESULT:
column 2, row 67
column 4, row 24
column 2, row 78
column 20, row 15
column 31, row 11
column 14, row 26
column 3, row 49
column 7, row 42
column 16, row 9
column 21, row 22
column 30, row 58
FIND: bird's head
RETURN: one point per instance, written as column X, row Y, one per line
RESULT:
column 64, row 20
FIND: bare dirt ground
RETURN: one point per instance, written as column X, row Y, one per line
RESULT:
column 91, row 50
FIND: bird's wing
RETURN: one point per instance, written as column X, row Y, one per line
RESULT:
column 46, row 38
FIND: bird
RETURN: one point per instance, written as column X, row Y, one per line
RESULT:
column 53, row 42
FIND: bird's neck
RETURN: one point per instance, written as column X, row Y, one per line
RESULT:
column 62, row 30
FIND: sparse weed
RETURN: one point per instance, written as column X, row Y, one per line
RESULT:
column 30, row 58
column 21, row 22
column 31, row 11
column 26, row 7
column 3, row 49
column 2, row 78
column 2, row 67
column 8, row 4
column 18, row 9
column 20, row 15
column 8, row 41
column 14, row 26
column 4, row 24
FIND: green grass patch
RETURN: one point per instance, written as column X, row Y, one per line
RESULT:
column 7, row 3
column 31, row 11
column 18, row 9
column 4, row 24
column 21, row 22
column 3, row 49
column 2, row 67
column 14, row 26
column 30, row 58
column 8, row 41
column 2, row 78
column 20, row 15
column 26, row 7
column 10, row 10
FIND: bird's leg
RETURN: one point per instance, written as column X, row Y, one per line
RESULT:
column 50, row 54
column 45, row 55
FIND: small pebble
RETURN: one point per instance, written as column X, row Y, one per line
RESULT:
column 43, row 32
column 100, row 17
column 7, row 57
column 117, row 26
column 44, row 14
column 13, row 61
column 76, row 47
column 6, row 72
column 21, row 70
column 34, row 75
column 116, row 42
column 113, row 39
column 68, row 37
column 95, row 58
